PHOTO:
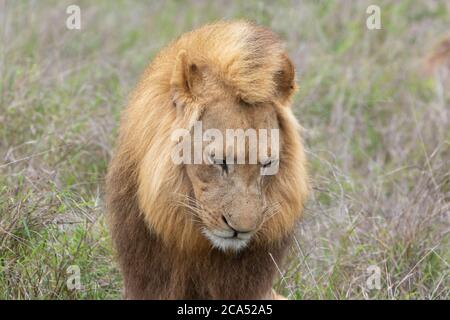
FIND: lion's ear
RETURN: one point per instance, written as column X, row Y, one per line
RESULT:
column 186, row 77
column 285, row 80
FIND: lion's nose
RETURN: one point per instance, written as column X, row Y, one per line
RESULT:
column 242, row 229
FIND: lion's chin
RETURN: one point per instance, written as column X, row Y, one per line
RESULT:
column 225, row 244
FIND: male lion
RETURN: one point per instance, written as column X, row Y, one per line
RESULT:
column 438, row 61
column 213, row 230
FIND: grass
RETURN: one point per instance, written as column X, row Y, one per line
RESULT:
column 377, row 132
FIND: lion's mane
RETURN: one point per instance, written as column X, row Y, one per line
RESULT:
column 161, row 252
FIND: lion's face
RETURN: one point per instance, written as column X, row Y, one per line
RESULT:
column 229, row 198
column 192, row 204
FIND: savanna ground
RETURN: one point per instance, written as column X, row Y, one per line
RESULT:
column 377, row 132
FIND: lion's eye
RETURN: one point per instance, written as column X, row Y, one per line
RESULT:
column 222, row 164
column 267, row 164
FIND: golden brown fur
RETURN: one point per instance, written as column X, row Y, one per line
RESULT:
column 161, row 250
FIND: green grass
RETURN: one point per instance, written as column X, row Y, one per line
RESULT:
column 377, row 132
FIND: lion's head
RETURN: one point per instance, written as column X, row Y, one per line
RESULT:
column 228, row 76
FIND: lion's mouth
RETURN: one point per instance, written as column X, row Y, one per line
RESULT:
column 227, row 240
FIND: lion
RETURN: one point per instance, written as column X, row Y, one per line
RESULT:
column 437, row 62
column 213, row 230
